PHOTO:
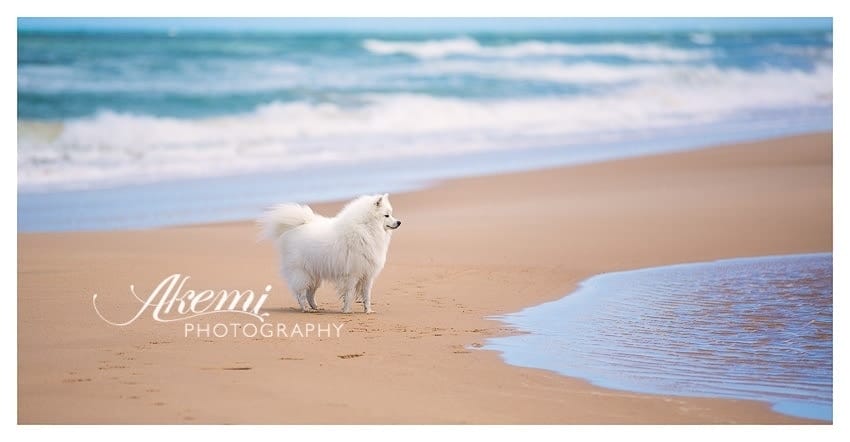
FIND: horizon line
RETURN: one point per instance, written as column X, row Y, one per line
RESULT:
column 419, row 25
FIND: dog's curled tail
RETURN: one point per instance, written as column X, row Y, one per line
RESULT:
column 279, row 219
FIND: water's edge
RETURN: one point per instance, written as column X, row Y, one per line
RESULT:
column 243, row 197
column 788, row 408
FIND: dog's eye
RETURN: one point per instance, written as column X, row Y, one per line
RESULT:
column 386, row 216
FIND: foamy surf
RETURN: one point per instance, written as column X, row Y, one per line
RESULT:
column 115, row 148
column 532, row 48
column 155, row 109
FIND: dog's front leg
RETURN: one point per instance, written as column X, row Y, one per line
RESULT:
column 366, row 286
column 347, row 291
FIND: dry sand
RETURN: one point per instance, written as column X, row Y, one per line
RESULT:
column 468, row 249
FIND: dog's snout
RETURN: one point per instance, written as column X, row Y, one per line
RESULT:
column 398, row 223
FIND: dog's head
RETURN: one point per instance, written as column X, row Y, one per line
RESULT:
column 384, row 211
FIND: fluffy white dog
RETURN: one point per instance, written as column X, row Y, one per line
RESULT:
column 348, row 250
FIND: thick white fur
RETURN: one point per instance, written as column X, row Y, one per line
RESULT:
column 348, row 250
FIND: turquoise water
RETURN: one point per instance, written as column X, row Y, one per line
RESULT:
column 750, row 328
column 182, row 120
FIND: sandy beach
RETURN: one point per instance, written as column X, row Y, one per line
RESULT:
column 469, row 249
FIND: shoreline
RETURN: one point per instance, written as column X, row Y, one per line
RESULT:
column 560, row 324
column 111, row 208
column 442, row 281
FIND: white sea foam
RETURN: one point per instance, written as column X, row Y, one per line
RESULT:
column 822, row 54
column 466, row 46
column 578, row 73
column 113, row 147
column 223, row 77
column 211, row 77
column 424, row 49
column 701, row 38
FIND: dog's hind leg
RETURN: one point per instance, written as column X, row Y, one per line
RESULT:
column 311, row 296
column 299, row 291
column 301, row 297
column 298, row 285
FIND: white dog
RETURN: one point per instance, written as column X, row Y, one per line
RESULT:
column 348, row 250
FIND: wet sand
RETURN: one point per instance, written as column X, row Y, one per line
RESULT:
column 468, row 249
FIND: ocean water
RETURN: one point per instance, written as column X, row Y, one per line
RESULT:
column 750, row 328
column 183, row 120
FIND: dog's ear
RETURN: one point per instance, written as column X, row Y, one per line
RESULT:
column 380, row 199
